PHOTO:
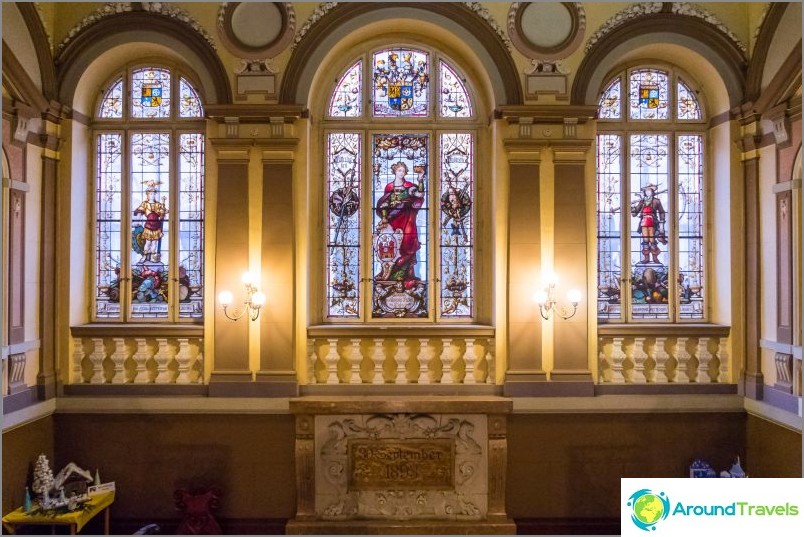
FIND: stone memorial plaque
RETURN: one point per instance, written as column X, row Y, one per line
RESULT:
column 401, row 464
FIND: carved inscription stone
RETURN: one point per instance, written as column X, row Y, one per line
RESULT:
column 401, row 464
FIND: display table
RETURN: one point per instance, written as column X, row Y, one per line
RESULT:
column 76, row 519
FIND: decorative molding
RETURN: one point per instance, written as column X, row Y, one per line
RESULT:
column 165, row 9
column 484, row 14
column 762, row 19
column 319, row 12
column 230, row 40
column 693, row 10
column 631, row 12
column 533, row 51
column 42, row 20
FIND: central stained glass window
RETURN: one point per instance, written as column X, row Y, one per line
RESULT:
column 400, row 198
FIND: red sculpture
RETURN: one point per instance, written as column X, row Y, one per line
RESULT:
column 197, row 506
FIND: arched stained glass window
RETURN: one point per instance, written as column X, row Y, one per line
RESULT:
column 650, row 200
column 399, row 200
column 453, row 99
column 149, row 208
column 347, row 99
column 112, row 102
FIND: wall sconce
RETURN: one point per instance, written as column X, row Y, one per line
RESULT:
column 254, row 300
column 547, row 301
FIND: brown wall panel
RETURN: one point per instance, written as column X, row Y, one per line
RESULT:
column 21, row 447
column 771, row 450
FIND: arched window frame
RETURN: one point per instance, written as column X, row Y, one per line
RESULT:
column 434, row 125
column 127, row 126
column 624, row 126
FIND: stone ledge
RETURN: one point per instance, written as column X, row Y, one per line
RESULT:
column 466, row 404
column 501, row 526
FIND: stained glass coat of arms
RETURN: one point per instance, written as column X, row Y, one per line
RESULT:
column 401, row 83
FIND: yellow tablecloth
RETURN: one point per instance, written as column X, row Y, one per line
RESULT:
column 95, row 505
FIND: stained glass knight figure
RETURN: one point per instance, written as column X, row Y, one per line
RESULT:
column 648, row 208
column 147, row 237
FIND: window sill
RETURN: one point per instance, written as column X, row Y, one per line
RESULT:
column 400, row 330
column 138, row 330
column 669, row 329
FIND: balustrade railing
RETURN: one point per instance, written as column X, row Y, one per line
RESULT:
column 126, row 354
column 639, row 354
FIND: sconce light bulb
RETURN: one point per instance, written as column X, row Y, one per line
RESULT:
column 574, row 296
column 258, row 299
column 225, row 298
column 552, row 279
column 540, row 297
column 247, row 278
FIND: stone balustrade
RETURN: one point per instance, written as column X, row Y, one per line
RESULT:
column 639, row 354
column 400, row 356
column 124, row 354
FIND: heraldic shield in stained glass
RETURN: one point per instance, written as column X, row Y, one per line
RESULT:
column 400, row 234
column 401, row 82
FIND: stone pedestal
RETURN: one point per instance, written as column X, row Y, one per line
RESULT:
column 401, row 465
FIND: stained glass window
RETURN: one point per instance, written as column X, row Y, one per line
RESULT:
column 688, row 106
column 401, row 81
column 650, row 201
column 191, row 225
column 648, row 95
column 400, row 231
column 150, row 93
column 609, row 225
column 150, row 236
column 456, row 224
column 348, row 96
column 611, row 101
column 189, row 102
column 109, row 174
column 149, row 209
column 112, row 103
column 454, row 99
column 343, row 224
column 690, row 226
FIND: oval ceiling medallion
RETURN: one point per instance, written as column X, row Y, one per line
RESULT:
column 546, row 30
column 256, row 30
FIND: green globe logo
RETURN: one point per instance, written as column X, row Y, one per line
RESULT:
column 648, row 508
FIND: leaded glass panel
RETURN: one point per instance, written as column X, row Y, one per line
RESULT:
column 150, row 93
column 189, row 102
column 401, row 83
column 690, row 227
column 611, row 101
column 108, row 203
column 688, row 107
column 112, row 103
column 648, row 95
column 150, row 237
column 191, row 225
column 400, row 230
column 456, row 219
column 347, row 98
column 343, row 224
column 454, row 99
column 649, row 170
column 609, row 226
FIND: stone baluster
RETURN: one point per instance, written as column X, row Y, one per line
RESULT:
column 617, row 358
column 401, row 358
column 601, row 359
column 638, row 356
column 141, row 359
column 78, row 359
column 16, row 373
column 704, row 359
column 162, row 358
column 118, row 357
column 446, row 361
column 491, row 369
column 183, row 360
column 355, row 357
column 469, row 360
column 723, row 359
column 97, row 356
column 660, row 356
column 425, row 355
column 311, row 361
column 683, row 360
column 378, row 357
column 331, row 359
column 199, row 361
